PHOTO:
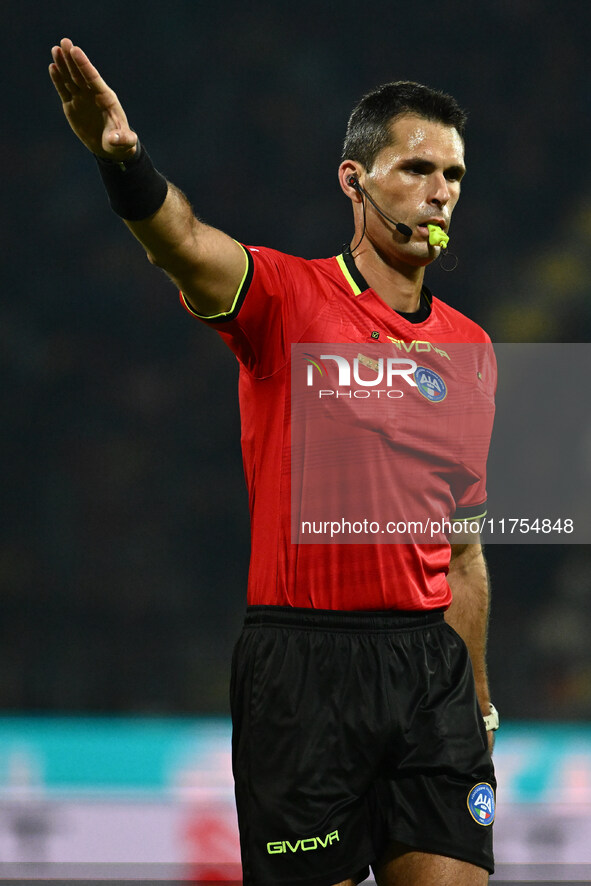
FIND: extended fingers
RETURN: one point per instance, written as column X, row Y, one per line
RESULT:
column 60, row 67
column 87, row 71
column 64, row 53
column 76, row 69
column 72, row 72
column 58, row 81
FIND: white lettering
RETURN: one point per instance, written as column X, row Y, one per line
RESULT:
column 362, row 394
column 376, row 380
column 394, row 368
column 344, row 368
column 485, row 801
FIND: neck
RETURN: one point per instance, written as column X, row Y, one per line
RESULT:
column 397, row 283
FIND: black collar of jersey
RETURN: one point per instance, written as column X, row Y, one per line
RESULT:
column 418, row 316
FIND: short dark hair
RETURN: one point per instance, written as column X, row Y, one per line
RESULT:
column 368, row 130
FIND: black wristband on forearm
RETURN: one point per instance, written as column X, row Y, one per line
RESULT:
column 135, row 188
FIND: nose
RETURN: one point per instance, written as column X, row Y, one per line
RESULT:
column 440, row 192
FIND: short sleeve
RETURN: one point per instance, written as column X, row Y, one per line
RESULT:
column 276, row 301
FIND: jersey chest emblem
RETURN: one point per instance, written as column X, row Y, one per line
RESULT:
column 430, row 384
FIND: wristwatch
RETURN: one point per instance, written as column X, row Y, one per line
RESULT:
column 492, row 720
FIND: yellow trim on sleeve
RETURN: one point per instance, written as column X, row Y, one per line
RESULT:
column 236, row 297
column 469, row 519
column 349, row 278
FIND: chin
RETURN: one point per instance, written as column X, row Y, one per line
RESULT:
column 418, row 258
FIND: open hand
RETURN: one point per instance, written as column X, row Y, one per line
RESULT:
column 91, row 107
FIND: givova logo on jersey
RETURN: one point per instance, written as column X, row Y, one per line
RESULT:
column 308, row 844
column 481, row 803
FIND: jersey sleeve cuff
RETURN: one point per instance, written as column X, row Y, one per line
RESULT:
column 471, row 512
column 225, row 316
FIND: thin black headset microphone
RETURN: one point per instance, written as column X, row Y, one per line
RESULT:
column 353, row 181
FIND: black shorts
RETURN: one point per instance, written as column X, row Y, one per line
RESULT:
column 351, row 730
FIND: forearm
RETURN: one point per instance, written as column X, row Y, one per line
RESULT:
column 158, row 215
column 469, row 611
column 170, row 236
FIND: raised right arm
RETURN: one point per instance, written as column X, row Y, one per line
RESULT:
column 203, row 262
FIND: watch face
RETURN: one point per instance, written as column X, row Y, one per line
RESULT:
column 492, row 720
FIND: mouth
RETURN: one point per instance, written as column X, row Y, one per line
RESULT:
column 422, row 226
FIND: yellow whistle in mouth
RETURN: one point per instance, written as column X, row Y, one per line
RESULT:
column 437, row 237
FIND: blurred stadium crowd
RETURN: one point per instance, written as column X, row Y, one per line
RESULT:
column 124, row 543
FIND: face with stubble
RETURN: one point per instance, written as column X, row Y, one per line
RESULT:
column 415, row 180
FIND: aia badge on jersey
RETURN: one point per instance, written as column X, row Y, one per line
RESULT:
column 430, row 385
column 481, row 803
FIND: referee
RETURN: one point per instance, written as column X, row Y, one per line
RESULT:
column 361, row 710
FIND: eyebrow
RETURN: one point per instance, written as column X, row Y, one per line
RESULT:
column 457, row 170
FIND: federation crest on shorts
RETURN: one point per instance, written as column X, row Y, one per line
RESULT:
column 481, row 803
column 430, row 384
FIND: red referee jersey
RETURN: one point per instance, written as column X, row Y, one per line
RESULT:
column 284, row 301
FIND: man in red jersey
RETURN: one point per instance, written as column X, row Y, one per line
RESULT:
column 360, row 712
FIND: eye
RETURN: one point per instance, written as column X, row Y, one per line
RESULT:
column 454, row 174
column 417, row 168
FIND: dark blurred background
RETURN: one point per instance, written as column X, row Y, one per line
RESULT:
column 124, row 542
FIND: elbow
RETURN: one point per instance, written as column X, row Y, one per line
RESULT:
column 177, row 260
column 153, row 260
